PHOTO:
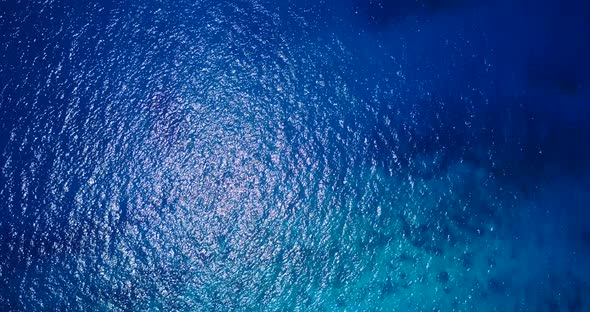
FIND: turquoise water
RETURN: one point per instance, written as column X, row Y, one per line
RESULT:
column 294, row 156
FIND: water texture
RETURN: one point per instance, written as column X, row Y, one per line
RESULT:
column 255, row 155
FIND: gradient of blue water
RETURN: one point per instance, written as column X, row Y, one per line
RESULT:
column 311, row 156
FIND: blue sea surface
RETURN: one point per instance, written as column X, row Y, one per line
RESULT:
column 255, row 155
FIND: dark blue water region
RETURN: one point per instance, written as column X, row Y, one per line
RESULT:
column 409, row 155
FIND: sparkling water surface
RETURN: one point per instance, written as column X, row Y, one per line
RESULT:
column 355, row 155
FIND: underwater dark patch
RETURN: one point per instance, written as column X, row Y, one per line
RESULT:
column 380, row 14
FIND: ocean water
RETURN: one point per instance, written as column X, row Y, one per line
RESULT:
column 251, row 155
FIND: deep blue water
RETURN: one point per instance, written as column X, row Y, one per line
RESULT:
column 353, row 155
